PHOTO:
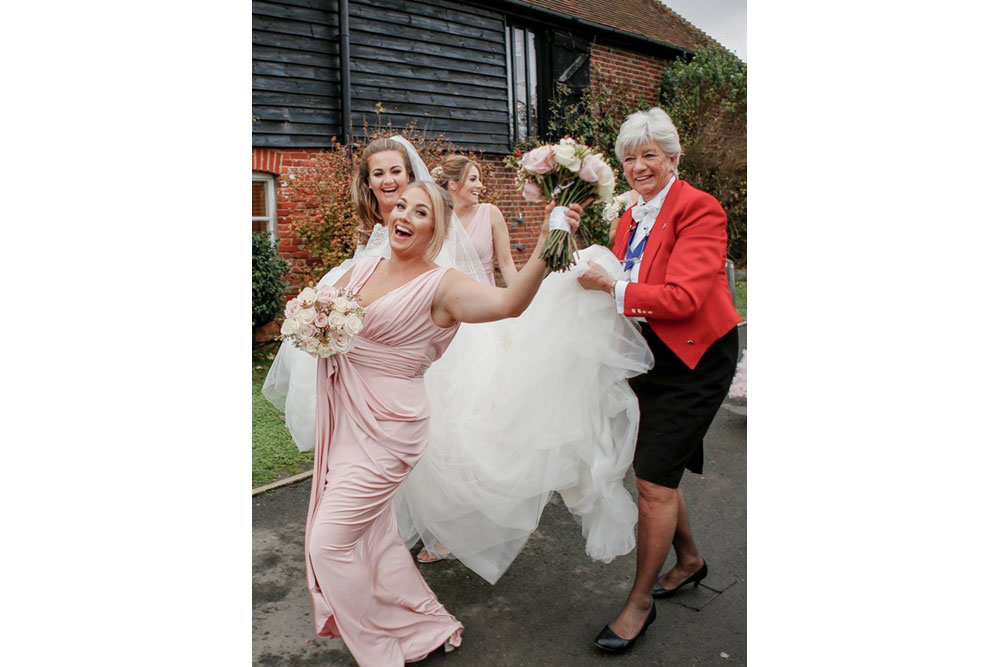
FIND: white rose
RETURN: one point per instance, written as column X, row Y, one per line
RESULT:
column 312, row 346
column 337, row 320
column 341, row 304
column 606, row 176
column 342, row 341
column 566, row 155
column 307, row 296
column 324, row 351
column 307, row 315
column 289, row 326
column 352, row 323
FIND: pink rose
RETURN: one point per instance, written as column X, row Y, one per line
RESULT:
column 590, row 169
column 325, row 296
column 320, row 320
column 542, row 160
column 533, row 193
column 306, row 331
column 292, row 307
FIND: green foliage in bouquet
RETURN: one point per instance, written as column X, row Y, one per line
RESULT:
column 707, row 99
column 268, row 280
column 326, row 219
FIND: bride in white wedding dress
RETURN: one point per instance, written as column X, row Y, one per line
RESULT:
column 519, row 409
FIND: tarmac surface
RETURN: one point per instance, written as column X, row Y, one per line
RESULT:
column 548, row 607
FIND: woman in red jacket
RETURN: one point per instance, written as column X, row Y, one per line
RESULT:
column 673, row 246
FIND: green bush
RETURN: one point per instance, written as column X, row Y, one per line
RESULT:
column 706, row 98
column 268, row 280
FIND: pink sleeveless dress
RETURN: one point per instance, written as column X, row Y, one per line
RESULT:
column 481, row 232
column 371, row 429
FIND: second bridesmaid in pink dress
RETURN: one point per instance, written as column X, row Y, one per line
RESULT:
column 485, row 224
column 372, row 428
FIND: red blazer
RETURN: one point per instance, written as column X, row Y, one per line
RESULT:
column 682, row 289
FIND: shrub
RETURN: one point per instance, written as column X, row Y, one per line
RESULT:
column 268, row 281
column 707, row 99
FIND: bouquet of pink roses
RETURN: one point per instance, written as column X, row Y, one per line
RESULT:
column 323, row 321
column 566, row 173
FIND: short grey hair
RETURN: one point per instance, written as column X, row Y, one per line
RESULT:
column 644, row 126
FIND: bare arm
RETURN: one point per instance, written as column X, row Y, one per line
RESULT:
column 462, row 299
column 501, row 245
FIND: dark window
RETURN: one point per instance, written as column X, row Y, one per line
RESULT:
column 522, row 61
column 262, row 211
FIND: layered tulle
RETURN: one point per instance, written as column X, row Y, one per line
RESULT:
column 524, row 408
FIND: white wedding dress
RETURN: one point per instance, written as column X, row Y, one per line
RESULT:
column 523, row 408
column 520, row 409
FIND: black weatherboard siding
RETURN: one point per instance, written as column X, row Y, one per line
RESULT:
column 296, row 73
column 439, row 63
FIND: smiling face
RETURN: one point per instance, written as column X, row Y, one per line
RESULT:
column 647, row 168
column 387, row 176
column 411, row 223
column 468, row 193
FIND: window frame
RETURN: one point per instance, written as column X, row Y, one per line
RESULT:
column 531, row 79
column 271, row 218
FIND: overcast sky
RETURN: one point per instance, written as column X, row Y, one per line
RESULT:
column 723, row 20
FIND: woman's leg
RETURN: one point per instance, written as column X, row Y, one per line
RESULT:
column 658, row 519
column 689, row 560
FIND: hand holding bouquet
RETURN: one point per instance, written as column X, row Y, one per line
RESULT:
column 323, row 322
column 565, row 173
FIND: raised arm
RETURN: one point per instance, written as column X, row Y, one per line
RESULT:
column 501, row 245
column 461, row 299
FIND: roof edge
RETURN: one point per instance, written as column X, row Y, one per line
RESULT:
column 528, row 10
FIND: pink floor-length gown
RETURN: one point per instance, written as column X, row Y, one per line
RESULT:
column 371, row 429
column 481, row 233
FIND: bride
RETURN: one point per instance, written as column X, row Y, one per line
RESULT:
column 519, row 409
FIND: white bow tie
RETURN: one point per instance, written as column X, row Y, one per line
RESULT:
column 642, row 211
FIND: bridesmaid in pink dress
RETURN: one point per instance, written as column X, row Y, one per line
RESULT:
column 485, row 224
column 372, row 428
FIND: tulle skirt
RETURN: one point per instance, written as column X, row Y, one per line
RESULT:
column 524, row 408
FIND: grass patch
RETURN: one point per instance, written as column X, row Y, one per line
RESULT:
column 274, row 453
column 741, row 298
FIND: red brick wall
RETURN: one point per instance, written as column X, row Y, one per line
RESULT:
column 646, row 72
column 605, row 61
column 285, row 164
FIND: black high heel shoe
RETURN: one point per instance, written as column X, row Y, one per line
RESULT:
column 659, row 592
column 609, row 641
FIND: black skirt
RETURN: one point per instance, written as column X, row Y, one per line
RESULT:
column 677, row 405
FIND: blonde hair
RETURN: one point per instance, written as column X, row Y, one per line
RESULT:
column 441, row 208
column 453, row 168
column 651, row 125
column 361, row 191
